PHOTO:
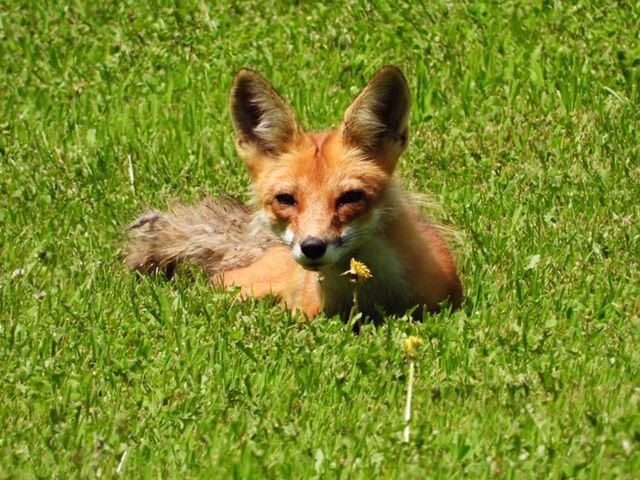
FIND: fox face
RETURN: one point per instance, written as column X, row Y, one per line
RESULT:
column 323, row 194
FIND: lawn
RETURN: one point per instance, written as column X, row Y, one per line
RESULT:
column 525, row 129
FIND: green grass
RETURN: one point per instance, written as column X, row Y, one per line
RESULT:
column 526, row 128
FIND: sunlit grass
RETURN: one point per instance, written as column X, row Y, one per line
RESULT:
column 525, row 127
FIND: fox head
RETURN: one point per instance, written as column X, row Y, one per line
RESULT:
column 324, row 194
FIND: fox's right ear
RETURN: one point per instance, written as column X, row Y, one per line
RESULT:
column 263, row 121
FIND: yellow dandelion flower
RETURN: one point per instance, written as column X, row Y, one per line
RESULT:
column 410, row 343
column 358, row 271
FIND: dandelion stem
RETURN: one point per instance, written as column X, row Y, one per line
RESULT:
column 355, row 299
column 132, row 175
column 121, row 462
column 407, row 409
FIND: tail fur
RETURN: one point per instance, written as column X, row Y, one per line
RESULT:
column 218, row 235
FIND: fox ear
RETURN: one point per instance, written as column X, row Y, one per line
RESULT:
column 376, row 121
column 262, row 119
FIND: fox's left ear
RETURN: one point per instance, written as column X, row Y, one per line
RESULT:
column 376, row 122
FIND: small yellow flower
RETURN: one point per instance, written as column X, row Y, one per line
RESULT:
column 358, row 271
column 410, row 343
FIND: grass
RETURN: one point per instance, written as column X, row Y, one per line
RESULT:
column 525, row 126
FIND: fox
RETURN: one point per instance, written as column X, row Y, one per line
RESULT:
column 318, row 201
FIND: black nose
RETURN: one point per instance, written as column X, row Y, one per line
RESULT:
column 313, row 247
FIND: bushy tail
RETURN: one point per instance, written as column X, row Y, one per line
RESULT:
column 217, row 235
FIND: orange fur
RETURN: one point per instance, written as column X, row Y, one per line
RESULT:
column 329, row 197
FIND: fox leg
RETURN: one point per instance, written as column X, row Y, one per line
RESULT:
column 276, row 273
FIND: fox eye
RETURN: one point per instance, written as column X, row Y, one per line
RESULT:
column 285, row 200
column 351, row 196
